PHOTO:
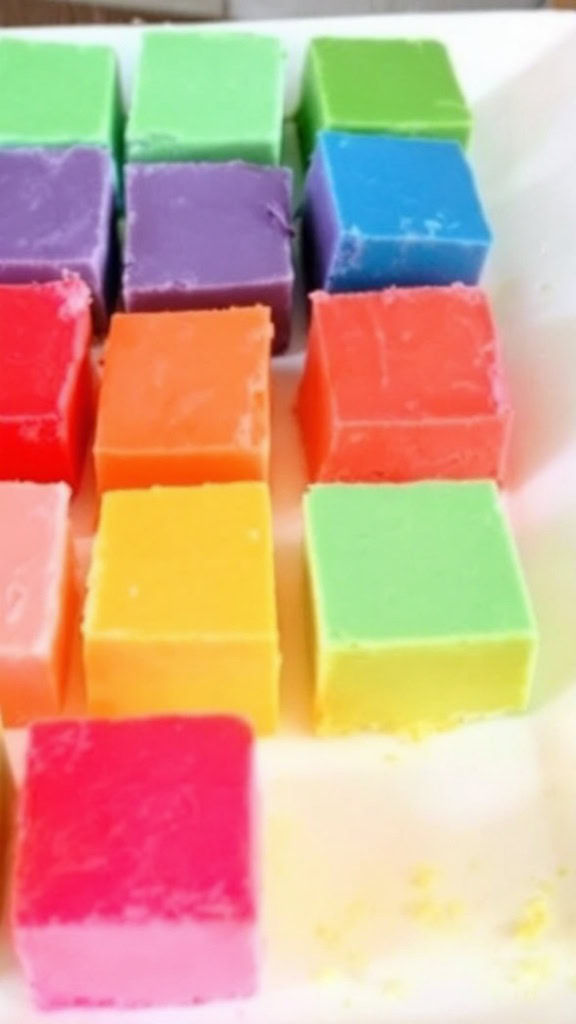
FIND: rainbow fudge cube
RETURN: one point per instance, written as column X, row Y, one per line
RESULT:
column 382, row 86
column 209, row 236
column 181, row 609
column 56, row 218
column 422, row 620
column 381, row 211
column 207, row 96
column 135, row 879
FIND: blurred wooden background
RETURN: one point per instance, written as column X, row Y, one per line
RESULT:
column 42, row 12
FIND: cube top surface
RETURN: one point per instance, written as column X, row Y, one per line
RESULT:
column 55, row 206
column 33, row 539
column 135, row 820
column 402, row 188
column 183, row 563
column 413, row 563
column 388, row 85
column 58, row 94
column 46, row 332
column 199, row 373
column 207, row 96
column 216, row 225
column 410, row 353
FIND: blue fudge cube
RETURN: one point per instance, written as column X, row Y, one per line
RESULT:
column 381, row 211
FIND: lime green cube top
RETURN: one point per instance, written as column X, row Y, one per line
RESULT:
column 58, row 94
column 391, row 86
column 204, row 96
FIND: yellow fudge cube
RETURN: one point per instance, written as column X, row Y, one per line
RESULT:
column 181, row 610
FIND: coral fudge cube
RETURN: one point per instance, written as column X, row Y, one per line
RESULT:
column 404, row 384
column 201, row 96
column 37, row 599
column 135, row 880
column 56, row 209
column 381, row 211
column 385, row 86
column 181, row 613
column 421, row 615
column 58, row 94
column 209, row 236
column 46, row 405
column 201, row 411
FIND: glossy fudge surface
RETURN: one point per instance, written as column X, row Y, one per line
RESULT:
column 201, row 411
column 46, row 403
column 56, row 210
column 181, row 611
column 421, row 616
column 36, row 599
column 386, row 86
column 404, row 384
column 135, row 879
column 201, row 96
column 58, row 94
column 381, row 211
column 209, row 236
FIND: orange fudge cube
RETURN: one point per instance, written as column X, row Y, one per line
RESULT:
column 185, row 399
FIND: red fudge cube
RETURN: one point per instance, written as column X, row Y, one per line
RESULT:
column 403, row 384
column 46, row 406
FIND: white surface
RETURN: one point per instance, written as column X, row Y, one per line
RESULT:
column 396, row 876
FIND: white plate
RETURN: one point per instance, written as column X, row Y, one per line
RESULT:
column 401, row 882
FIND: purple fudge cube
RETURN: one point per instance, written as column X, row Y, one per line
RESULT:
column 56, row 215
column 209, row 236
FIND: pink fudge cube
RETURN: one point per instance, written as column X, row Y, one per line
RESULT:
column 135, row 877
column 38, row 600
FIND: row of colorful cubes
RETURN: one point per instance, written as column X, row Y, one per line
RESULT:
column 220, row 96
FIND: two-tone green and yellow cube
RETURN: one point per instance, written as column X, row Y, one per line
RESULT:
column 422, row 620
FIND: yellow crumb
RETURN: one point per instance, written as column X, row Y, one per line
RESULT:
column 424, row 876
column 436, row 913
column 428, row 907
column 393, row 988
column 535, row 918
column 562, row 872
column 534, row 972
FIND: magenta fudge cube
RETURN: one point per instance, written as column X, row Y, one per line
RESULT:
column 209, row 236
column 135, row 877
column 56, row 215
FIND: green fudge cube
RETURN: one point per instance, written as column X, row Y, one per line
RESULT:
column 58, row 94
column 421, row 617
column 388, row 86
column 203, row 96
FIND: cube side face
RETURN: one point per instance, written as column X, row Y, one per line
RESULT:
column 170, row 676
column 321, row 226
column 170, row 121
column 433, row 449
column 48, row 78
column 315, row 409
column 125, row 965
column 422, row 688
column 311, row 115
column 364, row 263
